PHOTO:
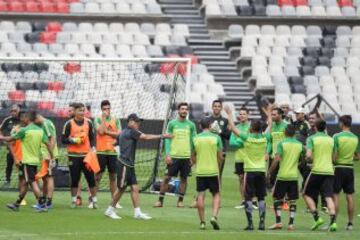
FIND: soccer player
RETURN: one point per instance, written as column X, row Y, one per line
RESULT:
column 47, row 162
column 320, row 147
column 219, row 124
column 108, row 129
column 5, row 130
column 78, row 135
column 257, row 147
column 178, row 152
column 126, row 166
column 346, row 146
column 31, row 136
column 287, row 157
column 243, row 126
column 208, row 156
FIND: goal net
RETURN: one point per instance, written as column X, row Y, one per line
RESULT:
column 148, row 87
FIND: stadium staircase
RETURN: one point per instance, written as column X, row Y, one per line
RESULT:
column 210, row 52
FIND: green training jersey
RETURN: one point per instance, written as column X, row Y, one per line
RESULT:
column 277, row 135
column 290, row 150
column 322, row 147
column 256, row 146
column 181, row 144
column 346, row 145
column 50, row 131
column 31, row 137
column 239, row 153
column 206, row 147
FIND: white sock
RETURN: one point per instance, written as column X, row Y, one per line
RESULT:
column 137, row 211
column 74, row 199
column 94, row 199
column 110, row 208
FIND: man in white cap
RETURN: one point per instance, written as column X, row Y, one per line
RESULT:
column 301, row 125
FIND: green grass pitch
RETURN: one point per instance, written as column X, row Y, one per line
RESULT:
column 167, row 223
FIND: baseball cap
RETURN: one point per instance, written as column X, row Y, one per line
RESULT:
column 300, row 110
column 134, row 117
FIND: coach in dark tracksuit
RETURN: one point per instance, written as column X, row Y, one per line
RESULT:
column 5, row 130
column 219, row 125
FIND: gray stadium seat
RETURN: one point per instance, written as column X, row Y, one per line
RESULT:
column 16, row 37
column 101, row 27
column 116, row 27
column 333, row 11
column 123, row 8
column 69, row 27
column 273, row 10
column 348, row 11
column 23, row 26
column 91, row 7
column 148, row 29
column 76, row 8
column 288, row 11
column 107, row 8
column 318, row 11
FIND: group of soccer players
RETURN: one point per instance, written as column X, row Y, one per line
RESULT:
column 267, row 155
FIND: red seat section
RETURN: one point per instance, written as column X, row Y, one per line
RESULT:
column 16, row 96
column 56, row 86
column 53, row 27
column 16, row 6
column 48, row 37
column 300, row 2
column 345, row 3
column 62, row 7
column 3, row 6
column 194, row 59
column 45, row 105
column 32, row 6
column 72, row 67
column 285, row 3
column 47, row 7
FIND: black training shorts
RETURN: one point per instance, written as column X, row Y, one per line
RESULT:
column 211, row 183
column 344, row 180
column 109, row 161
column 179, row 166
column 28, row 172
column 317, row 183
column 125, row 176
column 239, row 168
column 255, row 185
column 286, row 188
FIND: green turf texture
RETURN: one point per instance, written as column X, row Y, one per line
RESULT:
column 167, row 223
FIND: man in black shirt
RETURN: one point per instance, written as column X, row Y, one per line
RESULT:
column 126, row 166
column 219, row 125
column 5, row 130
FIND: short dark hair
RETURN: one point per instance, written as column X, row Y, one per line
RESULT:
column 205, row 123
column 244, row 109
column 290, row 130
column 23, row 112
column 256, row 125
column 320, row 125
column 182, row 104
column 346, row 120
column 217, row 101
column 78, row 105
column 72, row 104
column 33, row 115
column 105, row 103
column 279, row 111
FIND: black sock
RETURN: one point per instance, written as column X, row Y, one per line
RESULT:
column 349, row 224
column 315, row 215
column 277, row 209
column 248, row 212
column 292, row 213
column 161, row 198
column 332, row 218
column 49, row 201
column 19, row 200
column 254, row 203
column 262, row 210
column 41, row 201
column 181, row 197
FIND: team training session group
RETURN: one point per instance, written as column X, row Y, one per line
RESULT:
column 288, row 156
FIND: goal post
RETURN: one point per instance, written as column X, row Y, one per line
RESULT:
column 149, row 87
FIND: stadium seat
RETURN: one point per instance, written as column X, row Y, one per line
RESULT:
column 49, row 7
column 48, row 37
column 344, row 3
column 31, row 6
column 16, row 6
column 16, row 96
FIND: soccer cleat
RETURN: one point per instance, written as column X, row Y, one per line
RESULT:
column 23, row 203
column 42, row 208
column 317, row 224
column 262, row 226
column 291, row 227
column 249, row 227
column 180, row 205
column 118, row 206
column 49, row 206
column 240, row 206
column 324, row 210
column 158, row 204
column 202, row 226
column 214, row 223
column 111, row 214
column 349, row 227
column 142, row 216
column 285, row 206
column 36, row 206
column 13, row 206
column 74, row 205
column 332, row 227
column 255, row 206
column 276, row 226
column 92, row 205
column 193, row 204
